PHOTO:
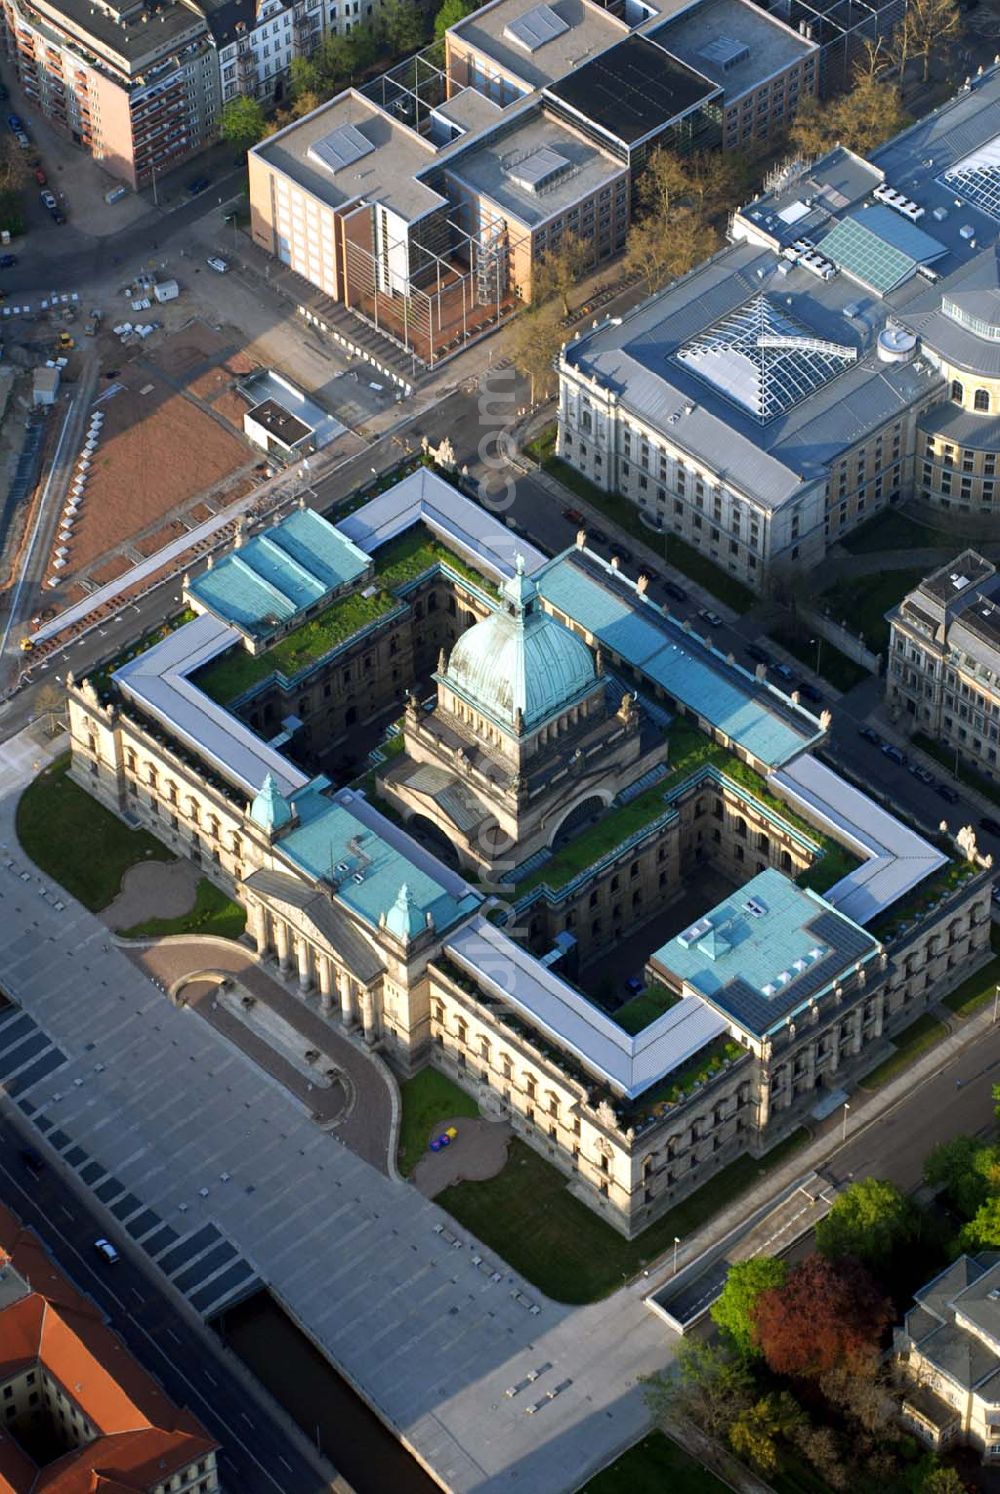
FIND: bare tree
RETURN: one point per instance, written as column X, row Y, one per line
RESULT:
column 926, row 29
column 558, row 274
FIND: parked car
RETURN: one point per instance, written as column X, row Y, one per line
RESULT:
column 107, row 1252
column 712, row 618
column 40, row 177
column 919, row 771
column 573, row 515
column 7, row 261
column 893, row 754
column 870, row 735
column 757, row 654
column 948, row 794
column 58, row 216
column 785, row 672
column 808, row 691
column 3, row 92
column 15, row 123
column 674, row 592
column 22, row 140
column 218, row 265
column 989, row 824
column 598, row 536
column 199, row 184
column 621, row 553
column 49, row 199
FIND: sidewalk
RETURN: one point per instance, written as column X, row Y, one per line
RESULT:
column 890, row 730
column 867, row 1109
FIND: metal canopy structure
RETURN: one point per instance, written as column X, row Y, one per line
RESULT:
column 977, row 178
column 763, row 359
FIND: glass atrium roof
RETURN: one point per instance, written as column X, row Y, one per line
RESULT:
column 879, row 249
column 977, row 177
column 764, row 359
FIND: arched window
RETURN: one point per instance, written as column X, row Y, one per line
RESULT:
column 982, row 400
column 957, row 392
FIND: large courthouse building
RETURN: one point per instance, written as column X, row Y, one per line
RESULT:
column 567, row 764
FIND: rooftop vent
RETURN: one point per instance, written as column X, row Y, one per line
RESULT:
column 725, row 52
column 898, row 201
column 539, row 169
column 958, row 580
column 694, row 933
column 755, row 907
column 535, row 28
column 342, row 147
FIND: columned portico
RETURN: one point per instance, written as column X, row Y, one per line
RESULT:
column 305, row 965
column 282, row 944
column 346, row 1002
column 325, row 975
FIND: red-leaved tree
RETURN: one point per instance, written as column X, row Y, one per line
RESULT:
column 827, row 1314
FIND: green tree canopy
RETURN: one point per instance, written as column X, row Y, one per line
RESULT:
column 402, row 25
column 242, row 122
column 755, row 1432
column 983, row 1230
column 870, row 1221
column 968, row 1170
column 451, row 12
column 942, row 1481
column 708, row 1385
column 733, row 1310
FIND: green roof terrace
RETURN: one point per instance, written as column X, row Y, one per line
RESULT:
column 401, row 564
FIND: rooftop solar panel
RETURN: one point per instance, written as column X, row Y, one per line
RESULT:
column 535, row 28
column 342, row 147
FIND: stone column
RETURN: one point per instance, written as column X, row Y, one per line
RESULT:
column 305, row 966
column 346, row 1006
column 325, row 984
column 880, row 1005
column 282, row 944
column 258, row 926
column 859, row 1030
column 368, row 1014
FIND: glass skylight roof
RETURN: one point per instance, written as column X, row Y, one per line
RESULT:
column 535, row 28
column 764, row 359
column 342, row 147
column 977, row 178
column 879, row 249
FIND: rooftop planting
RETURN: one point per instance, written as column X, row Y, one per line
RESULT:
column 645, row 1008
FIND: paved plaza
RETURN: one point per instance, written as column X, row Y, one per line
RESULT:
column 218, row 1172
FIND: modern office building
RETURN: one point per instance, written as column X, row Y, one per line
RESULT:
column 949, row 1355
column 580, row 769
column 79, row 1413
column 833, row 359
column 425, row 200
column 943, row 671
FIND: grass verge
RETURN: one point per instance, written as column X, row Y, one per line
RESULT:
column 213, row 913
column 842, row 672
column 921, row 1035
column 892, row 530
column 980, row 988
column 428, row 1099
column 654, row 1466
column 864, row 600
column 528, row 1216
column 76, row 841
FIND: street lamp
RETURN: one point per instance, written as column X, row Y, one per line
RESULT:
column 996, row 1003
column 819, row 649
column 847, row 1106
column 677, row 1241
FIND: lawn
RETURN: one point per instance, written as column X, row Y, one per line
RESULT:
column 529, row 1217
column 428, row 1099
column 842, row 672
column 645, row 1008
column 893, row 530
column 960, row 770
column 864, row 601
column 655, row 1466
column 213, row 913
column 980, row 988
column 76, row 841
column 625, row 514
column 921, row 1035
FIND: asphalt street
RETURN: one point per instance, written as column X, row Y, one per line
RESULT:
column 258, row 1456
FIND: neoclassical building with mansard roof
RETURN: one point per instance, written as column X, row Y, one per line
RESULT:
column 585, row 764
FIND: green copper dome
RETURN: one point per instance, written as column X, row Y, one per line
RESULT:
column 270, row 809
column 520, row 660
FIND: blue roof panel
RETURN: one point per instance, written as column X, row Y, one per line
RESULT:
column 342, row 837
column 684, row 666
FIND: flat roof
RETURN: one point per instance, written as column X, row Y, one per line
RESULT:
column 536, row 170
column 157, row 681
column 297, row 564
column 583, row 587
column 896, row 858
column 386, row 173
column 342, row 840
column 424, row 497
column 770, row 46
column 590, row 30
column 633, row 89
column 268, row 384
column 629, row 1064
column 279, row 422
column 131, row 34
column 765, row 952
